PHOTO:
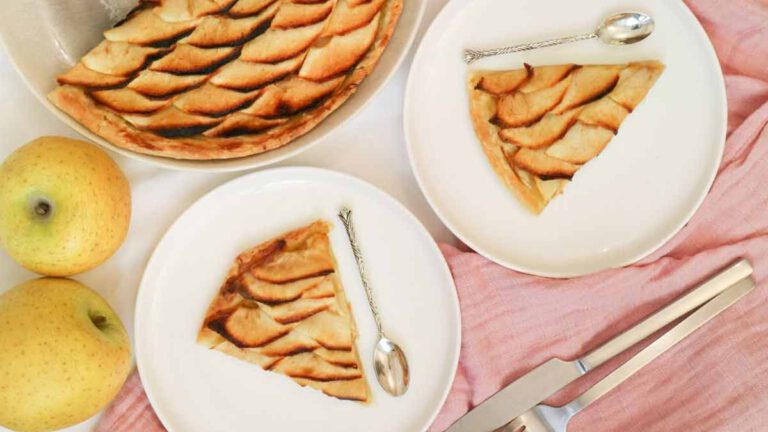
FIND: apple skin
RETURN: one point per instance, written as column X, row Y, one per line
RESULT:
column 65, row 206
column 57, row 367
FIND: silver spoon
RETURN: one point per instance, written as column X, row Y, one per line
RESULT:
column 620, row 29
column 389, row 360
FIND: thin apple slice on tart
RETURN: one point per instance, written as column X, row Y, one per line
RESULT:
column 282, row 307
column 539, row 125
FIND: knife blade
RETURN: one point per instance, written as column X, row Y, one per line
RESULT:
column 551, row 376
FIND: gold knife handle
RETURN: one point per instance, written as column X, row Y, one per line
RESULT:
column 702, row 294
column 666, row 341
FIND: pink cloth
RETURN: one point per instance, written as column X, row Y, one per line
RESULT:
column 716, row 379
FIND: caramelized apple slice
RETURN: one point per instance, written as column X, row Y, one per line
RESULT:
column 546, row 76
column 242, row 124
column 250, row 327
column 310, row 366
column 268, row 103
column 216, row 31
column 329, row 328
column 522, row 109
column 291, row 95
column 581, row 143
column 277, row 44
column 118, row 58
column 190, row 60
column 503, row 82
column 324, row 289
column 299, row 15
column 298, row 310
column 634, row 83
column 550, row 188
column 80, row 75
column 276, row 293
column 339, row 54
column 244, row 8
column 185, row 10
column 160, row 84
column 169, row 120
column 128, row 101
column 146, row 28
column 213, row 101
column 338, row 357
column 588, row 83
column 540, row 163
column 604, row 112
column 543, row 133
column 347, row 16
column 244, row 76
column 290, row 344
column 292, row 266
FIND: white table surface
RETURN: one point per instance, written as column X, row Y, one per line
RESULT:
column 371, row 146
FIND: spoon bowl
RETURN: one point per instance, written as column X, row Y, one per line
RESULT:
column 391, row 367
column 625, row 28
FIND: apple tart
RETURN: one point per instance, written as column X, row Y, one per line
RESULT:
column 283, row 308
column 216, row 79
column 539, row 125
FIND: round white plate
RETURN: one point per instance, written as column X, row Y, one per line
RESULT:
column 44, row 38
column 621, row 206
column 194, row 389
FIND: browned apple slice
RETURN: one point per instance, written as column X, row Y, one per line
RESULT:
column 128, row 101
column 249, row 327
column 339, row 54
column 310, row 366
column 543, row 133
column 211, row 100
column 161, row 84
column 338, row 357
column 242, row 124
column 329, row 328
column 324, row 289
column 550, row 188
column 280, row 44
column 347, row 16
column 292, row 266
column 215, row 31
column 523, row 109
column 118, row 58
column 538, row 162
column 291, row 95
column 244, row 8
column 171, row 120
column 546, row 76
column 276, row 293
column 604, row 112
column 268, row 103
column 581, row 143
column 186, row 59
column 298, row 310
column 146, row 28
column 588, row 83
column 244, row 76
column 185, row 10
column 299, row 15
column 503, row 82
column 80, row 75
column 290, row 344
column 634, row 83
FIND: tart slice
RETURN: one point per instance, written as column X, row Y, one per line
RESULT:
column 539, row 125
column 283, row 308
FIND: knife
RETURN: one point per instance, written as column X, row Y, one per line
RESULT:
column 551, row 376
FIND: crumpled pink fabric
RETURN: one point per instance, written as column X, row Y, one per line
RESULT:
column 714, row 380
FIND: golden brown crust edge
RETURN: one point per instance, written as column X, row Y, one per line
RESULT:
column 481, row 109
column 74, row 102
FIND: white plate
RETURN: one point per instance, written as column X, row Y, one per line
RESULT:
column 621, row 206
column 44, row 38
column 193, row 388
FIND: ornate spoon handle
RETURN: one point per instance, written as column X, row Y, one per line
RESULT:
column 472, row 55
column 345, row 214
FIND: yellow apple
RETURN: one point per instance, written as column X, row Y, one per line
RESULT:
column 65, row 206
column 64, row 355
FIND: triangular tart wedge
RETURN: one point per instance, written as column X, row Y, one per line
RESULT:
column 190, row 59
column 282, row 307
column 539, row 125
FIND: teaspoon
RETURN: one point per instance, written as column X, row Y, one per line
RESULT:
column 620, row 29
column 389, row 361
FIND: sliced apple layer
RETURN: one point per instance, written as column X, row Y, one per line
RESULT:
column 282, row 307
column 539, row 125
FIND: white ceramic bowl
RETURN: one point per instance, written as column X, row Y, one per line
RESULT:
column 44, row 38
